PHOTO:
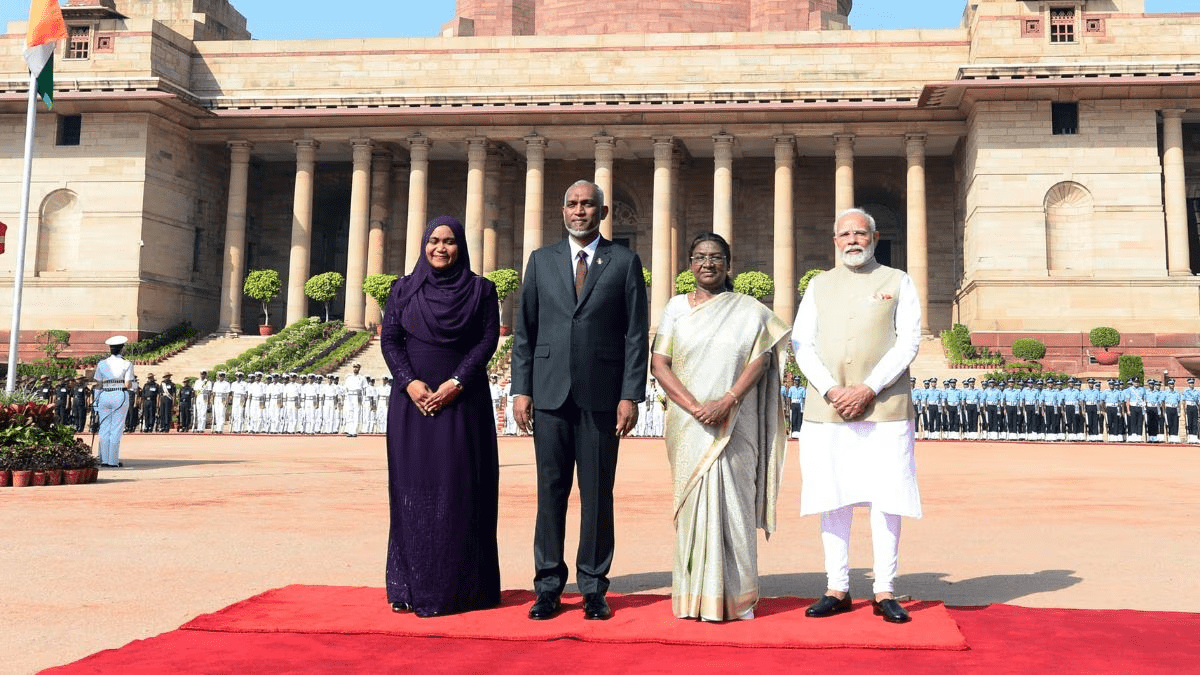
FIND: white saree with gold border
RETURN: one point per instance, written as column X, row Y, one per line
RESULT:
column 726, row 478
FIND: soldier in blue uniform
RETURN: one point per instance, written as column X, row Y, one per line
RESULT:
column 952, row 410
column 916, row 403
column 1031, row 401
column 992, row 399
column 1154, row 417
column 1135, row 396
column 1071, row 396
column 1114, row 400
column 1012, row 410
column 933, row 409
column 971, row 398
column 1170, row 403
column 1052, row 399
column 1191, row 407
column 1091, row 398
column 796, row 396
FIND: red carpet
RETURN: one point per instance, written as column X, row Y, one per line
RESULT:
column 636, row 618
column 1002, row 638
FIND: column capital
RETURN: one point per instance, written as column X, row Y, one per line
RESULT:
column 785, row 149
column 477, row 147
column 914, row 147
column 723, row 147
column 843, row 140
column 605, row 147
column 1173, row 113
column 535, row 149
column 664, row 148
column 240, row 150
column 603, row 139
column 419, row 140
column 362, row 148
column 916, row 137
column 307, row 143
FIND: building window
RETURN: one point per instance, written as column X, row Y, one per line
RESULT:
column 1064, row 118
column 1062, row 25
column 69, row 128
column 79, row 42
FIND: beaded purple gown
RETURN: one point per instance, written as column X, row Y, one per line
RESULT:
column 443, row 470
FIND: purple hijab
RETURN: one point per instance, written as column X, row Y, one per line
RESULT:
column 438, row 305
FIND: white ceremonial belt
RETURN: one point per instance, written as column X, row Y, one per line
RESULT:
column 112, row 387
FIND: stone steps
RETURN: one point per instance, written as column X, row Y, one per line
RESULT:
column 203, row 355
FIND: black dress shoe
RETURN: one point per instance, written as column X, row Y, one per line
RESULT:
column 544, row 607
column 890, row 610
column 595, row 607
column 828, row 606
column 401, row 607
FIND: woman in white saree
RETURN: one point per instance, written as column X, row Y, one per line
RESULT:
column 718, row 356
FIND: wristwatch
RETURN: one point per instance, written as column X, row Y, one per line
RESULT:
column 457, row 383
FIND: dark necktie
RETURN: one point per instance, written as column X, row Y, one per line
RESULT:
column 580, row 273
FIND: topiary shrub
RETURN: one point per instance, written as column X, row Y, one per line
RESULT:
column 754, row 284
column 685, row 282
column 1129, row 366
column 646, row 276
column 506, row 280
column 802, row 287
column 378, row 287
column 1104, row 337
column 1028, row 349
column 323, row 288
column 264, row 286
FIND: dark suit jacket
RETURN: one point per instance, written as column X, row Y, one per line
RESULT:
column 593, row 350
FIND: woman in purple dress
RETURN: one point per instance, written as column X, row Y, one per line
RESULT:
column 439, row 331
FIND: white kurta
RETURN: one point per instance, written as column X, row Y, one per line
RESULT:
column 859, row 462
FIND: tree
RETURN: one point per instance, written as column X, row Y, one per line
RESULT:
column 1104, row 337
column 754, row 284
column 506, row 280
column 264, row 286
column 379, row 287
column 54, row 341
column 323, row 288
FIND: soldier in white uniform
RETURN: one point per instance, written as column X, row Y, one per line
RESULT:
column 381, row 407
column 221, row 389
column 510, row 422
column 655, row 412
column 237, row 414
column 370, row 398
column 497, row 395
column 309, row 393
column 291, row 399
column 113, row 375
column 255, row 391
column 273, row 414
column 203, row 389
column 351, row 409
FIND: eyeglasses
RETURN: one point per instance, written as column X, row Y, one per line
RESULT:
column 714, row 259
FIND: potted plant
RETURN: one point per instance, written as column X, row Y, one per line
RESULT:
column 5, row 464
column 1105, row 337
column 21, row 465
column 379, row 287
column 264, row 286
column 507, row 281
column 323, row 288
column 802, row 287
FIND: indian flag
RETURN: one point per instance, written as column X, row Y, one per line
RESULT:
column 45, row 27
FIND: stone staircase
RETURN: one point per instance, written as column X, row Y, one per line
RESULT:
column 371, row 358
column 203, row 355
column 931, row 362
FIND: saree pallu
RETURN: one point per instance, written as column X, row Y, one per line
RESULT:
column 725, row 478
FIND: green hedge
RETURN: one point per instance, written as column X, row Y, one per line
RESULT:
column 345, row 351
column 1130, row 366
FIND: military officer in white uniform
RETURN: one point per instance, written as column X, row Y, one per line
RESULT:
column 113, row 375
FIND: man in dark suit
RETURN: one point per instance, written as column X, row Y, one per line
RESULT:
column 578, row 373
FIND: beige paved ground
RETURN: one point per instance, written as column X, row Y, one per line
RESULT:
column 196, row 523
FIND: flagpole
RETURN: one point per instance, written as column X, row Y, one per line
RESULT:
column 19, row 274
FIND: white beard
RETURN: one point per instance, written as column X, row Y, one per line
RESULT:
column 582, row 234
column 857, row 259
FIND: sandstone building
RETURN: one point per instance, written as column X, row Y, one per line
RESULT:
column 1035, row 170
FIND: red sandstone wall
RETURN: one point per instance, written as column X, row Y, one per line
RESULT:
column 587, row 17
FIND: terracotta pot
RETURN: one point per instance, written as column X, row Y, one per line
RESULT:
column 21, row 477
column 504, row 330
column 40, row 478
column 5, row 478
column 55, row 477
column 1107, row 358
column 264, row 329
column 74, row 476
column 93, row 472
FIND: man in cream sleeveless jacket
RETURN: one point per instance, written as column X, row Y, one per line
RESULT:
column 857, row 330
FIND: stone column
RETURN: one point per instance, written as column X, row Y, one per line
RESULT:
column 356, row 244
column 418, row 178
column 301, row 252
column 843, row 151
column 660, row 266
column 233, row 269
column 507, row 233
column 605, row 145
column 477, row 149
column 723, row 186
column 535, row 167
column 491, row 209
column 395, row 247
column 677, row 206
column 917, row 250
column 380, row 217
column 1175, row 194
column 785, row 238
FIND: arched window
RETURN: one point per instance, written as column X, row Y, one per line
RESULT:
column 58, row 232
column 1069, row 209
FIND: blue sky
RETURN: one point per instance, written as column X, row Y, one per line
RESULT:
column 300, row 19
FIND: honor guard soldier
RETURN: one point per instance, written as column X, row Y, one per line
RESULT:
column 309, row 393
column 952, row 410
column 273, row 415
column 972, row 398
column 1135, row 399
column 1012, row 409
column 1171, row 401
column 202, row 389
column 166, row 403
column 1191, row 407
column 1072, row 428
column 381, row 412
column 45, row 389
column 1092, row 400
column 221, row 390
column 351, row 409
column 62, row 395
column 992, row 400
column 187, row 404
column 1052, row 410
column 150, row 393
column 237, row 413
column 1114, row 400
column 796, row 395
column 79, row 404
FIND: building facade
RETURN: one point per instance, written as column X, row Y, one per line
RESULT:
column 1035, row 170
